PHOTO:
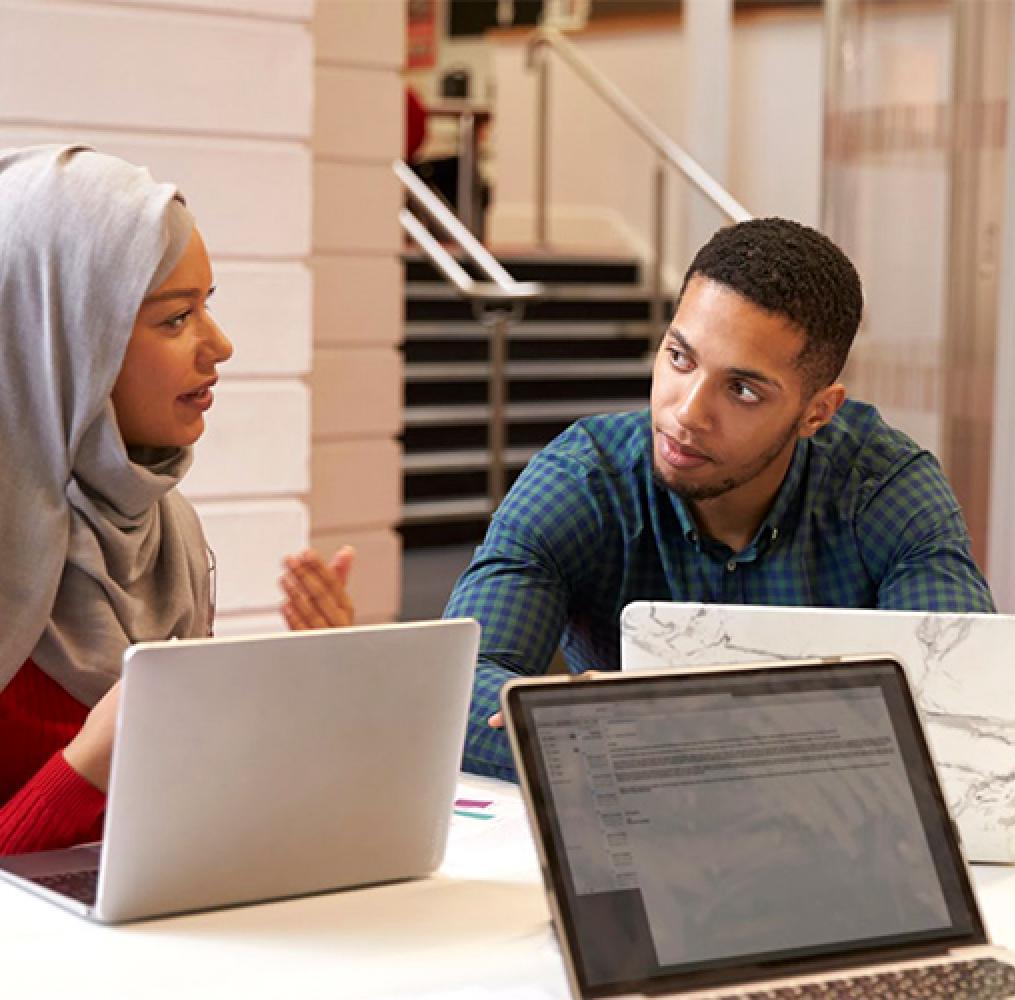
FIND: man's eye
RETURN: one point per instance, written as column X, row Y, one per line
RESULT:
column 745, row 393
column 679, row 359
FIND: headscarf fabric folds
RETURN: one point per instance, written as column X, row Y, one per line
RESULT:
column 97, row 548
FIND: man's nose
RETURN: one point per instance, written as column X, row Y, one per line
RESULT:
column 694, row 409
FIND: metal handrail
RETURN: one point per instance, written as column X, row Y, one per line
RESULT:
column 498, row 302
column 668, row 152
column 500, row 286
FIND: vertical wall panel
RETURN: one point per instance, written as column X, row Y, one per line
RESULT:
column 353, row 300
column 357, row 393
column 357, row 379
column 361, row 33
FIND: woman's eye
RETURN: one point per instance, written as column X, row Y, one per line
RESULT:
column 177, row 321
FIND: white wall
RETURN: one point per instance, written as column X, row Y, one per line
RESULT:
column 775, row 116
column 357, row 375
column 215, row 95
column 601, row 174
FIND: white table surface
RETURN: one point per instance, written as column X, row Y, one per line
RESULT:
column 478, row 930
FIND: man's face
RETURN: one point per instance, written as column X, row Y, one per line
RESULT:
column 728, row 400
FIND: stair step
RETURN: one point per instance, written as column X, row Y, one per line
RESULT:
column 470, row 371
column 465, row 460
column 479, row 413
column 442, row 291
column 589, row 337
column 534, row 267
column 599, row 329
column 564, row 311
column 424, row 511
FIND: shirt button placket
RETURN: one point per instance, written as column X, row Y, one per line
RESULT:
column 731, row 583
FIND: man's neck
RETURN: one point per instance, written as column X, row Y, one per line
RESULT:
column 735, row 517
column 724, row 525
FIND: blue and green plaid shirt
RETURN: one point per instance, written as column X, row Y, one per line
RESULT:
column 863, row 519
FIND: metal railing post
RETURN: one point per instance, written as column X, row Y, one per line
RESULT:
column 657, row 309
column 497, row 303
column 499, row 325
column 467, row 170
column 666, row 149
column 542, row 187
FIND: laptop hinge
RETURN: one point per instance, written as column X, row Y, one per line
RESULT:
column 838, row 966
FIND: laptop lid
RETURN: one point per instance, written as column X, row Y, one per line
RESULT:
column 723, row 826
column 959, row 666
column 254, row 768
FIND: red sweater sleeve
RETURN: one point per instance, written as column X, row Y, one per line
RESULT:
column 56, row 808
column 44, row 802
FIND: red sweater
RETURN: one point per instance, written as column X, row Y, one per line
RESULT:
column 44, row 802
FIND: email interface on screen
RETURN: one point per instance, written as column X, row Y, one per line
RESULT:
column 705, row 823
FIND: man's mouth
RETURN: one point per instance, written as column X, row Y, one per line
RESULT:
column 679, row 455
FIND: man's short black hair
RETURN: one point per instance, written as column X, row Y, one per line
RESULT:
column 793, row 271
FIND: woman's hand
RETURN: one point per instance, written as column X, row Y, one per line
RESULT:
column 90, row 752
column 315, row 591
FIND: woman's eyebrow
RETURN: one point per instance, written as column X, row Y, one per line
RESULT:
column 161, row 296
column 172, row 293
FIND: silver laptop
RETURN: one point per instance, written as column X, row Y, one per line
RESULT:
column 767, row 830
column 960, row 669
column 256, row 768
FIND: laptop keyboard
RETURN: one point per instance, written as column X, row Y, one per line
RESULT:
column 980, row 979
column 81, row 885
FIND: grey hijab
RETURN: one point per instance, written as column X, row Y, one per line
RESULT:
column 97, row 548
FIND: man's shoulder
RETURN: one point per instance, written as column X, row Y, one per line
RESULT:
column 858, row 446
column 610, row 443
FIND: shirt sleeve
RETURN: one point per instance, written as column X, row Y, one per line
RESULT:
column 915, row 543
column 55, row 808
column 518, row 587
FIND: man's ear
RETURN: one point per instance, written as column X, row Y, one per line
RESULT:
column 823, row 406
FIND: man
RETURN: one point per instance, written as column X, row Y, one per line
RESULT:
column 750, row 480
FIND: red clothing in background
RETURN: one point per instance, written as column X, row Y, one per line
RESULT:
column 44, row 802
column 415, row 123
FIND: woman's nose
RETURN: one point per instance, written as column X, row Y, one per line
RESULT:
column 218, row 346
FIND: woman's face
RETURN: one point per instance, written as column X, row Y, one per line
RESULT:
column 165, row 385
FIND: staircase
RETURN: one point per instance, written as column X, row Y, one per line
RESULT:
column 583, row 349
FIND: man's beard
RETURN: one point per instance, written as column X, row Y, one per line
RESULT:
column 710, row 491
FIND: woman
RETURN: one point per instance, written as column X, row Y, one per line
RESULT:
column 110, row 356
column 109, row 359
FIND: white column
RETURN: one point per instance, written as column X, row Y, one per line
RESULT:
column 357, row 370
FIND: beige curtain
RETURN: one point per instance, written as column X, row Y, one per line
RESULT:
column 913, row 184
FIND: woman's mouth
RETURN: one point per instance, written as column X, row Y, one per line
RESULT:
column 200, row 399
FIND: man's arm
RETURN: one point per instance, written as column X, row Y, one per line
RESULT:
column 914, row 539
column 517, row 587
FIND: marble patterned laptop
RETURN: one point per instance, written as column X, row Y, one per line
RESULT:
column 961, row 669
